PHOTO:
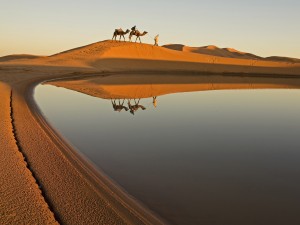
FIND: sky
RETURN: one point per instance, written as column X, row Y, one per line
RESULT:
column 262, row 27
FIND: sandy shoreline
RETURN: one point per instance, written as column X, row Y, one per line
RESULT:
column 75, row 191
column 53, row 183
column 30, row 120
column 125, row 205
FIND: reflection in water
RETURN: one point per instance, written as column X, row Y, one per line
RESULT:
column 135, row 107
column 132, row 107
column 118, row 107
column 233, row 159
column 154, row 101
column 151, row 86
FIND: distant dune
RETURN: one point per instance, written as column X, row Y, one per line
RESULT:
column 18, row 57
column 227, row 52
column 213, row 50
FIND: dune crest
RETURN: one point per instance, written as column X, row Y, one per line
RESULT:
column 114, row 56
column 228, row 52
column 215, row 51
column 18, row 57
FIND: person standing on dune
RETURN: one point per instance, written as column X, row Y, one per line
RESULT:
column 156, row 40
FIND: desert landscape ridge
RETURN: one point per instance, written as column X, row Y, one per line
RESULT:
column 44, row 180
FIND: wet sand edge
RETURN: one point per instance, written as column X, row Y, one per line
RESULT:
column 128, row 208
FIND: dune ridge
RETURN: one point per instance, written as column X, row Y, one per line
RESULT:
column 18, row 57
column 228, row 52
column 113, row 56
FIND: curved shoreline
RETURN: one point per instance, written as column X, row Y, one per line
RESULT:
column 133, row 211
column 80, row 179
column 91, row 173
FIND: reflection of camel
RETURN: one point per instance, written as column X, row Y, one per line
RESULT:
column 135, row 107
column 137, row 34
column 121, row 33
column 119, row 107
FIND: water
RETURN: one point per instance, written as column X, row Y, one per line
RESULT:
column 208, row 157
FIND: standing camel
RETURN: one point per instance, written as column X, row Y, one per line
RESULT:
column 121, row 33
column 137, row 34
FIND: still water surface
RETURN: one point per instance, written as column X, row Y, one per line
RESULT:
column 210, row 157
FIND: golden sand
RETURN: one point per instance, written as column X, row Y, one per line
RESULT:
column 43, row 180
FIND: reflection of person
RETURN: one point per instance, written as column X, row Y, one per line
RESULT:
column 156, row 40
column 154, row 101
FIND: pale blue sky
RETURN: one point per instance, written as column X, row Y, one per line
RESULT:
column 263, row 27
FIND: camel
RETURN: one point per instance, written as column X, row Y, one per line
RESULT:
column 118, row 107
column 135, row 107
column 121, row 33
column 137, row 34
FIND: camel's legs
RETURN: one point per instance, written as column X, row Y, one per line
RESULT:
column 129, row 103
column 113, row 104
column 138, row 102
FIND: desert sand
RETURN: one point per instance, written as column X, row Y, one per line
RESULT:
column 43, row 179
column 228, row 52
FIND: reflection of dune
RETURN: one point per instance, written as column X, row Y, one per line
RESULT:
column 144, row 86
column 283, row 59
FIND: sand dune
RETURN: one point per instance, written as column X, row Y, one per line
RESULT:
column 215, row 51
column 18, row 57
column 228, row 52
column 123, row 56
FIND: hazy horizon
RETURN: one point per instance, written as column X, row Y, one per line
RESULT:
column 265, row 28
